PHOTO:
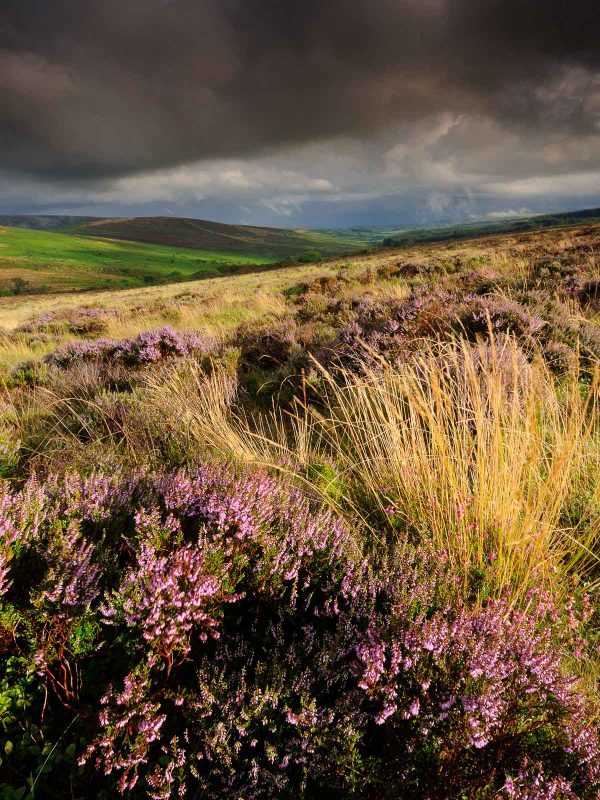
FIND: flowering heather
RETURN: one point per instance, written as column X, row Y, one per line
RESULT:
column 71, row 580
column 452, row 679
column 145, row 348
column 205, row 633
column 40, row 321
column 429, row 313
column 88, row 322
column 8, row 535
column 73, row 316
column 501, row 316
column 167, row 597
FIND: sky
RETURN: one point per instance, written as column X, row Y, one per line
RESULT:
column 320, row 113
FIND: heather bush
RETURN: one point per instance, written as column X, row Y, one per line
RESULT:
column 468, row 699
column 482, row 280
column 561, row 358
column 166, row 579
column 332, row 314
column 51, row 325
column 267, row 345
column 327, row 286
column 146, row 348
column 589, row 294
column 500, row 316
column 413, row 269
column 215, row 634
column 394, row 330
column 316, row 306
column 565, row 329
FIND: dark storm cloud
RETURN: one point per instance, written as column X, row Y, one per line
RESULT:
column 113, row 87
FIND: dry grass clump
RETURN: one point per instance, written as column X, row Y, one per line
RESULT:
column 470, row 450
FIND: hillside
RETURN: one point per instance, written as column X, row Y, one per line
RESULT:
column 225, row 299
column 55, row 254
column 34, row 262
column 271, row 243
column 374, row 236
column 279, row 244
column 42, row 222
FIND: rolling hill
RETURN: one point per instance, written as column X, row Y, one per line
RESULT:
column 65, row 253
column 54, row 254
column 376, row 236
column 42, row 222
column 271, row 243
column 34, row 262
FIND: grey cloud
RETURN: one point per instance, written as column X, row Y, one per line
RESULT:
column 101, row 89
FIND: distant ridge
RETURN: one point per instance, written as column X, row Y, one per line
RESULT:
column 377, row 236
column 40, row 254
column 42, row 222
column 193, row 234
column 279, row 244
column 214, row 236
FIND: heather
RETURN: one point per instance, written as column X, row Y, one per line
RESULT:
column 214, row 632
column 145, row 348
column 339, row 541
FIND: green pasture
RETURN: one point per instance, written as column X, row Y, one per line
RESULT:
column 33, row 261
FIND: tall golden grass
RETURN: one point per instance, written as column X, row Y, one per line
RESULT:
column 471, row 451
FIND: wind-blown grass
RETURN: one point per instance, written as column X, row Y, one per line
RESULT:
column 468, row 452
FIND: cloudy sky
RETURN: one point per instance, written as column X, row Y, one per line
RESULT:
column 299, row 112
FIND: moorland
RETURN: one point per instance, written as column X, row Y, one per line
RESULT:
column 327, row 530
column 45, row 254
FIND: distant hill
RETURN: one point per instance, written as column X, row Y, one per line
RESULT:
column 40, row 261
column 280, row 244
column 273, row 243
column 42, row 222
column 392, row 237
column 47, row 253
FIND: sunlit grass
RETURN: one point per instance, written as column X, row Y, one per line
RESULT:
column 479, row 463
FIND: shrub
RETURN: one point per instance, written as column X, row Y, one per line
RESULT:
column 500, row 316
column 309, row 257
column 589, row 294
column 145, row 348
column 266, row 345
column 78, row 321
column 466, row 700
column 209, row 633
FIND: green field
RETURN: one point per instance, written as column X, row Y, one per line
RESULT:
column 34, row 261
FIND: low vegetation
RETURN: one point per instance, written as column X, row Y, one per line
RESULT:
column 332, row 531
column 274, row 243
